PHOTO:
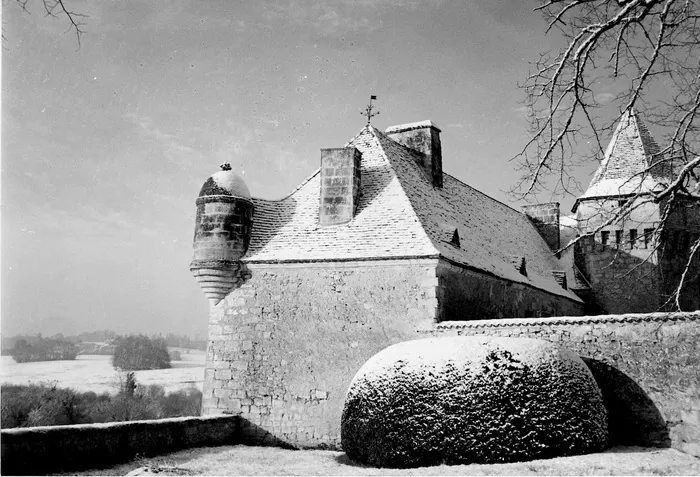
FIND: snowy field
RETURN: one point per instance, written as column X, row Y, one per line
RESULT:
column 93, row 372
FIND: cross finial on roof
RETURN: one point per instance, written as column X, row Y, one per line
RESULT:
column 368, row 110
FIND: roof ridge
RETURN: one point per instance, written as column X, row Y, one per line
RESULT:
column 646, row 137
column 368, row 127
column 380, row 136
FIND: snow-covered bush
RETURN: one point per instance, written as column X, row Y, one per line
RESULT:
column 471, row 399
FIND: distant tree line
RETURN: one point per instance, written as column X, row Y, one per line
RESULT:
column 44, row 349
column 101, row 341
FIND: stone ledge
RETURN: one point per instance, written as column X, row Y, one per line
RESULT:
column 571, row 320
column 50, row 449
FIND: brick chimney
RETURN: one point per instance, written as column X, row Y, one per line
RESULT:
column 340, row 185
column 545, row 218
column 424, row 138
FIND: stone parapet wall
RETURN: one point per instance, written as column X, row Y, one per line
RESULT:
column 660, row 352
column 51, row 449
column 284, row 346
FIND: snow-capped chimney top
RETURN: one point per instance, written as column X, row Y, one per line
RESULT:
column 424, row 138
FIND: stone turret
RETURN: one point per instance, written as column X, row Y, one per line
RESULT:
column 222, row 233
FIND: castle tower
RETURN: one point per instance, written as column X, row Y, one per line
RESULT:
column 222, row 233
column 629, row 264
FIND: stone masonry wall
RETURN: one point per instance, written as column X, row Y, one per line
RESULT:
column 52, row 449
column 284, row 346
column 659, row 352
column 467, row 295
column 622, row 281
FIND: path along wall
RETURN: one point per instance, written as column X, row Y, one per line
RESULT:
column 51, row 449
column 638, row 359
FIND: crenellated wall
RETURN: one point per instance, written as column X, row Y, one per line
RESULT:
column 647, row 364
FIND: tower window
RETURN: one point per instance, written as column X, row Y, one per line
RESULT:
column 648, row 234
column 604, row 237
column 633, row 238
column 618, row 237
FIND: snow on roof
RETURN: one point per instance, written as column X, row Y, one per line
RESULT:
column 630, row 152
column 625, row 169
column 384, row 226
column 225, row 183
column 624, row 186
column 400, row 214
column 409, row 126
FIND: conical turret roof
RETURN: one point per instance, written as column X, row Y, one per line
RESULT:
column 625, row 168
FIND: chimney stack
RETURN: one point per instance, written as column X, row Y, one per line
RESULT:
column 545, row 218
column 340, row 185
column 424, row 138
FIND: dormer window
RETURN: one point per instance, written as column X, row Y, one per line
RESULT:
column 455, row 238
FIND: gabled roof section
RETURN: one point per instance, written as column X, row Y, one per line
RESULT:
column 384, row 226
column 624, row 169
column 401, row 215
column 490, row 232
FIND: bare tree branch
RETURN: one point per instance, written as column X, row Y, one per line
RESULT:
column 58, row 9
column 647, row 52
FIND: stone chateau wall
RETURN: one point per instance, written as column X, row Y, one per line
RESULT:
column 641, row 359
column 284, row 346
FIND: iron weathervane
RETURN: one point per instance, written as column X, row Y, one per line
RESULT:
column 368, row 110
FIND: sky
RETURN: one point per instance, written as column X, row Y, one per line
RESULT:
column 105, row 146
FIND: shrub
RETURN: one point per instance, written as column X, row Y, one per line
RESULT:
column 48, row 405
column 133, row 353
column 43, row 405
column 44, row 349
column 471, row 400
column 175, row 355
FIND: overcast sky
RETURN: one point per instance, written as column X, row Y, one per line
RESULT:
column 105, row 148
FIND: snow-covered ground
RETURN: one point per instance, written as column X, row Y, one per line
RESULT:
column 93, row 372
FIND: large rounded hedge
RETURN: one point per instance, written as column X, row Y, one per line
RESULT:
column 471, row 399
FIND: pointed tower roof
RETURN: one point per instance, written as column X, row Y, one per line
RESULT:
column 624, row 169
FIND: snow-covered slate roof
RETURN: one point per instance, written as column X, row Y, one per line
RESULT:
column 400, row 214
column 624, row 168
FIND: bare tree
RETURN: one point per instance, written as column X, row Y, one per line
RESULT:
column 58, row 9
column 619, row 56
